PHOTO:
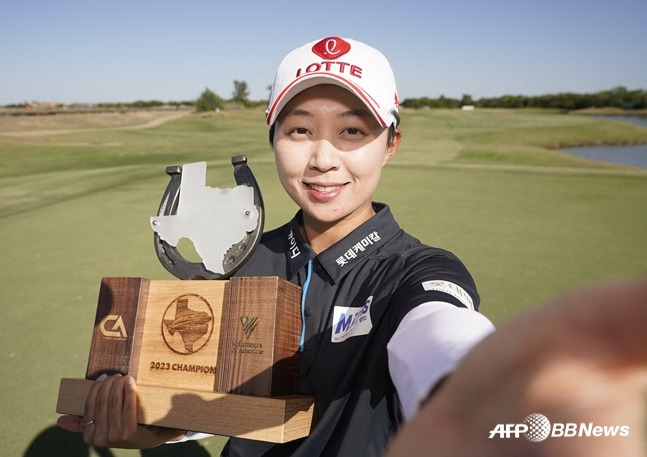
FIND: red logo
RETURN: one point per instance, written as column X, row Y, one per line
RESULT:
column 331, row 48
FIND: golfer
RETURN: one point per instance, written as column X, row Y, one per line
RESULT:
column 385, row 317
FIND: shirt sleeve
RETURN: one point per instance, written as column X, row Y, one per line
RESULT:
column 428, row 344
column 431, row 275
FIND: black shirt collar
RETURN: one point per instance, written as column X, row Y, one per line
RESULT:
column 298, row 252
column 343, row 256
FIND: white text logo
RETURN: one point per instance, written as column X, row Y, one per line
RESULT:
column 536, row 427
column 294, row 249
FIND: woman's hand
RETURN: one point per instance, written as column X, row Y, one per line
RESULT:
column 580, row 360
column 110, row 417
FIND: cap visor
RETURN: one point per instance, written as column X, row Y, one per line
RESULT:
column 310, row 80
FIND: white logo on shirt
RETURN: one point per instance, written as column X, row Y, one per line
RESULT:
column 452, row 289
column 294, row 249
column 349, row 322
column 368, row 240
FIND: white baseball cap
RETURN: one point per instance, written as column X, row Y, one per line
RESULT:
column 353, row 65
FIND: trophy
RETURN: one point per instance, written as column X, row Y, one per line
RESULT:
column 211, row 353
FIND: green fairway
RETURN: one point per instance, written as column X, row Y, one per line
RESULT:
column 529, row 222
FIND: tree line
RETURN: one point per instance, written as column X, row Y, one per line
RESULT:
column 618, row 97
column 207, row 101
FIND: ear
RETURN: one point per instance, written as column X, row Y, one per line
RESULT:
column 393, row 146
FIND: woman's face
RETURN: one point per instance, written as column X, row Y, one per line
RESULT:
column 329, row 152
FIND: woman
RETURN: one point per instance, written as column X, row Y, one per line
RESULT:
column 385, row 317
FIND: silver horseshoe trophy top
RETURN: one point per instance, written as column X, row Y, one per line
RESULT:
column 234, row 256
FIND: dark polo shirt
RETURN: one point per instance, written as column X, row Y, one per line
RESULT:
column 355, row 295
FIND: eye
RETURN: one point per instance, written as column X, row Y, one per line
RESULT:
column 299, row 131
column 353, row 133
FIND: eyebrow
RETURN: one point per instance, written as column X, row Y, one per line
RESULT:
column 358, row 112
column 297, row 113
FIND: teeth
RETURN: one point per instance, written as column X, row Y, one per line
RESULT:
column 324, row 188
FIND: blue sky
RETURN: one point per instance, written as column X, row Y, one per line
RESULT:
column 111, row 51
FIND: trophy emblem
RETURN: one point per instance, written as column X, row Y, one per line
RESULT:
column 205, row 350
column 186, row 330
column 237, row 216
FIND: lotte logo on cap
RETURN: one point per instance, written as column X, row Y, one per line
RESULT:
column 331, row 48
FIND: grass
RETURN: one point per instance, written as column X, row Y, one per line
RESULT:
column 527, row 236
column 529, row 222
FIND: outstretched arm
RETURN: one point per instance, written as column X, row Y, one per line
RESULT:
column 579, row 359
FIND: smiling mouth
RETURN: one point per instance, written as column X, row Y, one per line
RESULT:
column 324, row 189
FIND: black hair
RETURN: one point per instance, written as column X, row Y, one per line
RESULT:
column 272, row 128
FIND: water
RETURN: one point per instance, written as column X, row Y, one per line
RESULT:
column 638, row 120
column 634, row 156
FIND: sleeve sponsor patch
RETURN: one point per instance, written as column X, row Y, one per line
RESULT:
column 452, row 289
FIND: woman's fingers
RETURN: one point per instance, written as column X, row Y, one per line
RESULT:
column 89, row 421
column 110, row 417
column 104, row 415
column 121, row 410
column 113, row 404
column 70, row 423
column 130, row 424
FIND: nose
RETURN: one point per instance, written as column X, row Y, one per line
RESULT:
column 324, row 156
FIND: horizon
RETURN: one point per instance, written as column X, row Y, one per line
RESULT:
column 122, row 52
column 190, row 101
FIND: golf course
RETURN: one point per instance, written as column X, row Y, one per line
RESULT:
column 492, row 186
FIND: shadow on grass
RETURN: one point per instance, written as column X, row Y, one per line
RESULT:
column 56, row 442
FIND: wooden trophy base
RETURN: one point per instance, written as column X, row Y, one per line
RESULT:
column 273, row 419
column 218, row 357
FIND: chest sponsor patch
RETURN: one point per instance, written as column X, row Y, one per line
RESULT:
column 452, row 289
column 349, row 321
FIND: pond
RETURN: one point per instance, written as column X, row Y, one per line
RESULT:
column 638, row 120
column 635, row 156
